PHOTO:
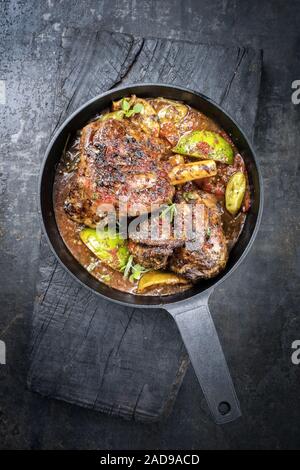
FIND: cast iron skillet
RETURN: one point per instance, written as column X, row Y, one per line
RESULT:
column 189, row 309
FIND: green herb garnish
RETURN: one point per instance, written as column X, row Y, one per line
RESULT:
column 169, row 211
column 133, row 271
column 137, row 272
column 136, row 109
column 125, row 104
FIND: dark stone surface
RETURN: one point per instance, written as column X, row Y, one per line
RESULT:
column 257, row 307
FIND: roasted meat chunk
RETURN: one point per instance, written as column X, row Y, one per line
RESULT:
column 207, row 258
column 118, row 161
column 153, row 241
column 155, row 230
column 150, row 256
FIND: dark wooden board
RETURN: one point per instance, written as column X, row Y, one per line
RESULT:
column 123, row 361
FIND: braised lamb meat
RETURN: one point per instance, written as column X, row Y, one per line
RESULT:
column 155, row 230
column 160, row 234
column 152, row 250
column 117, row 161
column 210, row 256
column 150, row 256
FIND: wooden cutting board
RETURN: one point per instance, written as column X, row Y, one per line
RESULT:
column 91, row 352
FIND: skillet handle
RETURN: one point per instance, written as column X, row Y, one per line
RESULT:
column 201, row 340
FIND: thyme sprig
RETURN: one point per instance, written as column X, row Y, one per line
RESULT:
column 132, row 271
column 169, row 211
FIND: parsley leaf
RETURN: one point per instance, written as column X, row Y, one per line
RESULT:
column 126, row 107
column 130, row 113
column 138, row 108
column 125, row 104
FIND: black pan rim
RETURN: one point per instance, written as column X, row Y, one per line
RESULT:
column 194, row 296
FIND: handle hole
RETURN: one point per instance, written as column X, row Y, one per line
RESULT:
column 224, row 408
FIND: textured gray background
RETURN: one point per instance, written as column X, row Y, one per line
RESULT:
column 261, row 299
